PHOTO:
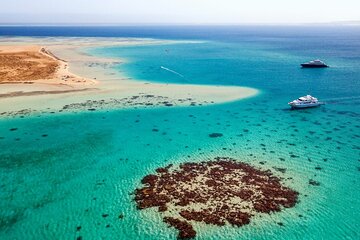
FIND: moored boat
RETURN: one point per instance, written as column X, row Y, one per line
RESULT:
column 307, row 101
column 314, row 64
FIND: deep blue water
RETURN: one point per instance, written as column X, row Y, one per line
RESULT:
column 317, row 34
column 262, row 57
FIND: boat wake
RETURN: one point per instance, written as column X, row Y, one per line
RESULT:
column 172, row 71
column 342, row 99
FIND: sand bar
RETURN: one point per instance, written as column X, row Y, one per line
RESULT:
column 57, row 73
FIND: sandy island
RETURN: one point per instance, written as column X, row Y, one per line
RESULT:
column 51, row 75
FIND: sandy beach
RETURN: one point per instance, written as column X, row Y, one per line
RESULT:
column 56, row 75
column 29, row 64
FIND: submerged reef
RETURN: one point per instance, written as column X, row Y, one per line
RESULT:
column 214, row 192
column 141, row 100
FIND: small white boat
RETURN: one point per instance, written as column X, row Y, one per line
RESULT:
column 305, row 102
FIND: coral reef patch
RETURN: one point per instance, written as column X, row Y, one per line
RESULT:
column 221, row 191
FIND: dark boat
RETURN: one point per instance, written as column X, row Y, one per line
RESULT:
column 314, row 64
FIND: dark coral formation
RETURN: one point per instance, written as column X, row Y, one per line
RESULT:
column 313, row 182
column 186, row 230
column 213, row 192
column 141, row 100
column 215, row 135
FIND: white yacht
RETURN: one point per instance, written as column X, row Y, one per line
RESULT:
column 305, row 102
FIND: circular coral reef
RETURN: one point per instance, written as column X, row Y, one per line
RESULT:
column 214, row 192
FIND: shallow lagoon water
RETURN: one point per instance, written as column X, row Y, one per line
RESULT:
column 63, row 171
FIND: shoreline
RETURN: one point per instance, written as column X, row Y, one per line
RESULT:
column 112, row 90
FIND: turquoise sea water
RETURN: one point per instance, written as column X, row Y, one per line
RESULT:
column 63, row 171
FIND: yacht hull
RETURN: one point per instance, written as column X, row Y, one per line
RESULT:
column 301, row 106
column 304, row 65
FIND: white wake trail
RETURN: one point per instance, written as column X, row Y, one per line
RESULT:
column 172, row 71
column 341, row 99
